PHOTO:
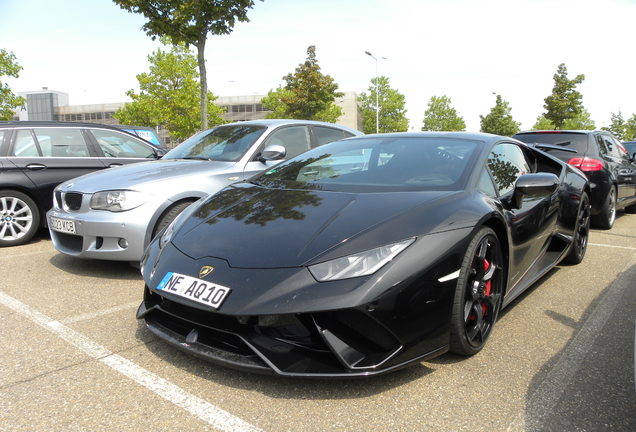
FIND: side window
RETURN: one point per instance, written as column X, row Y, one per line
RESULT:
column 325, row 135
column 602, row 145
column 25, row 144
column 486, row 185
column 616, row 147
column 506, row 163
column 295, row 139
column 61, row 142
column 115, row 144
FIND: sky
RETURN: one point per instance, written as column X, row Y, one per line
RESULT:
column 465, row 49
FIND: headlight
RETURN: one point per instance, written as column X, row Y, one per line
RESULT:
column 360, row 264
column 117, row 200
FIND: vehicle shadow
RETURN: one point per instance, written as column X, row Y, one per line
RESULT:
column 450, row 358
column 95, row 268
column 589, row 384
column 276, row 386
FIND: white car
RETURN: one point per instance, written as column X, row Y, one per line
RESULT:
column 114, row 214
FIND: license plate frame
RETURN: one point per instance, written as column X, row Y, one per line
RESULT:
column 62, row 225
column 197, row 290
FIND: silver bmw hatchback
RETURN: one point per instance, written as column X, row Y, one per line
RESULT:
column 113, row 214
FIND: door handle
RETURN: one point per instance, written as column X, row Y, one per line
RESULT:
column 115, row 164
column 35, row 167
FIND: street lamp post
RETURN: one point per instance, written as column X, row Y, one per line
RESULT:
column 377, row 105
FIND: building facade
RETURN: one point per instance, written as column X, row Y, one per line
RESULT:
column 51, row 105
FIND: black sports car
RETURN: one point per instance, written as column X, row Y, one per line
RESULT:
column 364, row 255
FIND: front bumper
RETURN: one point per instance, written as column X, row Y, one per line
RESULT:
column 102, row 234
column 343, row 343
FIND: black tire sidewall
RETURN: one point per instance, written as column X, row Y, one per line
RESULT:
column 459, row 343
column 574, row 257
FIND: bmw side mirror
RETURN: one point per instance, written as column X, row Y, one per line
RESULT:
column 159, row 152
column 535, row 185
column 272, row 153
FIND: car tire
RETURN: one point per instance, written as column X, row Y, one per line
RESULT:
column 581, row 232
column 478, row 295
column 605, row 219
column 169, row 215
column 19, row 218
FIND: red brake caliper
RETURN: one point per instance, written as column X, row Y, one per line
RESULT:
column 488, row 284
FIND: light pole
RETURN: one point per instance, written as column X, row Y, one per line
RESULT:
column 377, row 91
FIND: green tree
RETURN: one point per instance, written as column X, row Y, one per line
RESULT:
column 543, row 123
column 169, row 95
column 392, row 115
column 565, row 101
column 189, row 22
column 308, row 94
column 630, row 128
column 441, row 116
column 499, row 121
column 618, row 126
column 581, row 121
column 8, row 100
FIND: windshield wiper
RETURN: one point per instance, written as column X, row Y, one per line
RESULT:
column 558, row 147
column 195, row 158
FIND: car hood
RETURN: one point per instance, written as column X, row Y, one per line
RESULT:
column 135, row 175
column 254, row 227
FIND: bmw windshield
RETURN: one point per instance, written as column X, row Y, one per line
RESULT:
column 378, row 164
column 223, row 143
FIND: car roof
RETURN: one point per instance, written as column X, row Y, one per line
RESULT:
column 30, row 123
column 281, row 122
column 576, row 131
column 476, row 136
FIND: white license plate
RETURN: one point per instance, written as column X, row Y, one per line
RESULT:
column 62, row 225
column 200, row 291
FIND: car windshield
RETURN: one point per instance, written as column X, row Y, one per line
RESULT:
column 223, row 143
column 377, row 164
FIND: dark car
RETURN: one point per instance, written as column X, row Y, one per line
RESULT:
column 605, row 162
column 364, row 255
column 630, row 147
column 37, row 156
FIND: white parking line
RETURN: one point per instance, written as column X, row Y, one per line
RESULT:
column 100, row 313
column 196, row 406
column 612, row 246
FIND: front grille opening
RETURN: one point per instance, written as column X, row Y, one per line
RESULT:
column 362, row 333
column 69, row 241
column 73, row 200
column 99, row 242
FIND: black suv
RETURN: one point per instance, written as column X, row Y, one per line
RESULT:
column 37, row 156
column 608, row 166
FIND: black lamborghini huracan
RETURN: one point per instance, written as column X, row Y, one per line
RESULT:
column 364, row 255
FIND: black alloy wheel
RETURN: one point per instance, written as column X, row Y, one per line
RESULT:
column 478, row 295
column 605, row 219
column 581, row 232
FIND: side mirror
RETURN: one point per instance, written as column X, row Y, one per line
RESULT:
column 634, row 157
column 159, row 152
column 272, row 153
column 537, row 185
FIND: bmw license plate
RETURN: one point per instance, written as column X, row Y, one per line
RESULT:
column 200, row 291
column 62, row 225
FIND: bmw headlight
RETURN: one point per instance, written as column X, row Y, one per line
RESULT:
column 117, row 200
column 360, row 264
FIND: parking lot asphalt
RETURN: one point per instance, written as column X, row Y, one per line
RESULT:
column 74, row 358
